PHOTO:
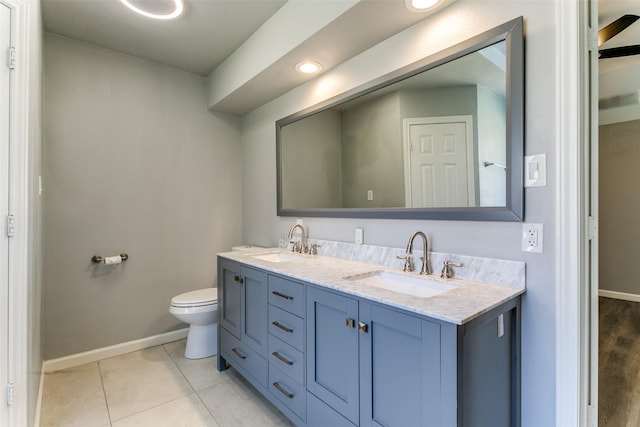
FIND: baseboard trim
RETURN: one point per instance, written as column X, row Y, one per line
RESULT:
column 619, row 295
column 36, row 419
column 78, row 359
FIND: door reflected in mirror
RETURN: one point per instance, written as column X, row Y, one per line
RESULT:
column 442, row 137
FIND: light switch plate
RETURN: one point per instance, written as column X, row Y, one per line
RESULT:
column 359, row 236
column 535, row 170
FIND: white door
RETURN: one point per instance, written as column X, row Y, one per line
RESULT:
column 5, row 43
column 439, row 162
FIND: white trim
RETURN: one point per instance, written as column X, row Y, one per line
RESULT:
column 619, row 295
column 19, row 206
column 36, row 420
column 78, row 359
column 568, row 131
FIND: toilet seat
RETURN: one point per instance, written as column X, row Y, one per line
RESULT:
column 198, row 298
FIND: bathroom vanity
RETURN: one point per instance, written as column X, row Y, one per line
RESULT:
column 330, row 342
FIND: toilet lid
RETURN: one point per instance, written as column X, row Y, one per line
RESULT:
column 199, row 297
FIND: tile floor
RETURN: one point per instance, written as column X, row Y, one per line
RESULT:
column 154, row 387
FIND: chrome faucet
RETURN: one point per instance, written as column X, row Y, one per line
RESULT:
column 408, row 258
column 300, row 247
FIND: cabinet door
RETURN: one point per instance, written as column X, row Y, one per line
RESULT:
column 230, row 289
column 332, row 351
column 399, row 369
column 254, row 310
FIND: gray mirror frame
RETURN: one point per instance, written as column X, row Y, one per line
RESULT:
column 512, row 33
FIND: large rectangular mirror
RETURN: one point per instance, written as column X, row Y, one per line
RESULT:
column 439, row 139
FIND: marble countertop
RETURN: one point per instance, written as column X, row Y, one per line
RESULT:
column 469, row 300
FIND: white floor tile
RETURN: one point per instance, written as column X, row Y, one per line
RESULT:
column 141, row 380
column 74, row 397
column 237, row 404
column 184, row 412
column 201, row 373
column 149, row 388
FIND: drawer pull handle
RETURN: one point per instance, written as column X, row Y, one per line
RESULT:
column 282, row 359
column 237, row 353
column 284, row 328
column 281, row 295
column 282, row 390
column 362, row 327
column 238, row 279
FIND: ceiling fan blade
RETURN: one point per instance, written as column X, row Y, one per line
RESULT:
column 615, row 28
column 616, row 52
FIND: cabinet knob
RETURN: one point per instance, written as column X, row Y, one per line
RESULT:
column 351, row 323
column 238, row 279
column 363, row 327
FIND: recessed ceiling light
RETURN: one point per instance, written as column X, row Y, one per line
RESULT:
column 178, row 7
column 420, row 5
column 308, row 67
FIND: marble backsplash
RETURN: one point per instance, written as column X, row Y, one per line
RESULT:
column 489, row 270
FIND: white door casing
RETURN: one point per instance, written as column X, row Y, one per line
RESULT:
column 5, row 44
column 439, row 162
column 17, row 196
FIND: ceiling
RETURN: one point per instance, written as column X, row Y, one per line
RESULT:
column 210, row 31
column 204, row 36
column 609, row 11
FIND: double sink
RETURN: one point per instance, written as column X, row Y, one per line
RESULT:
column 414, row 284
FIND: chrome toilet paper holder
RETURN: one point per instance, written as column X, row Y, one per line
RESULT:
column 100, row 259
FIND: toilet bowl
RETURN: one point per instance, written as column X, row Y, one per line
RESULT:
column 200, row 310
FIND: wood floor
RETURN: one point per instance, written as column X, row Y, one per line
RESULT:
column 619, row 363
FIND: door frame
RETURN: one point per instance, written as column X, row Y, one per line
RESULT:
column 576, row 384
column 406, row 126
column 19, row 160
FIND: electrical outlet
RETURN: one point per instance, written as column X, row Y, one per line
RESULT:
column 299, row 221
column 359, row 236
column 532, row 238
column 370, row 195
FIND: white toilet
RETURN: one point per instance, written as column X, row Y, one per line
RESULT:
column 200, row 310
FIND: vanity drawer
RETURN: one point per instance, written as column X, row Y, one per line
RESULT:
column 287, row 327
column 287, row 295
column 242, row 357
column 286, row 358
column 289, row 392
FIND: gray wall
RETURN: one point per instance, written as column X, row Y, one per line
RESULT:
column 492, row 147
column 619, row 201
column 134, row 163
column 34, row 280
column 311, row 159
column 372, row 154
column 463, row 19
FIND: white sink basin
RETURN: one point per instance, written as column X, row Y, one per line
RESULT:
column 278, row 256
column 418, row 286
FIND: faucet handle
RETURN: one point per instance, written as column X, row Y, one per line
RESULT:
column 408, row 261
column 313, row 249
column 294, row 248
column 447, row 272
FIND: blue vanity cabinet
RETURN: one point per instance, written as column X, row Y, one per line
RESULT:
column 404, row 372
column 254, row 309
column 332, row 352
column 229, row 296
column 377, row 366
column 286, row 347
column 328, row 358
column 243, row 314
